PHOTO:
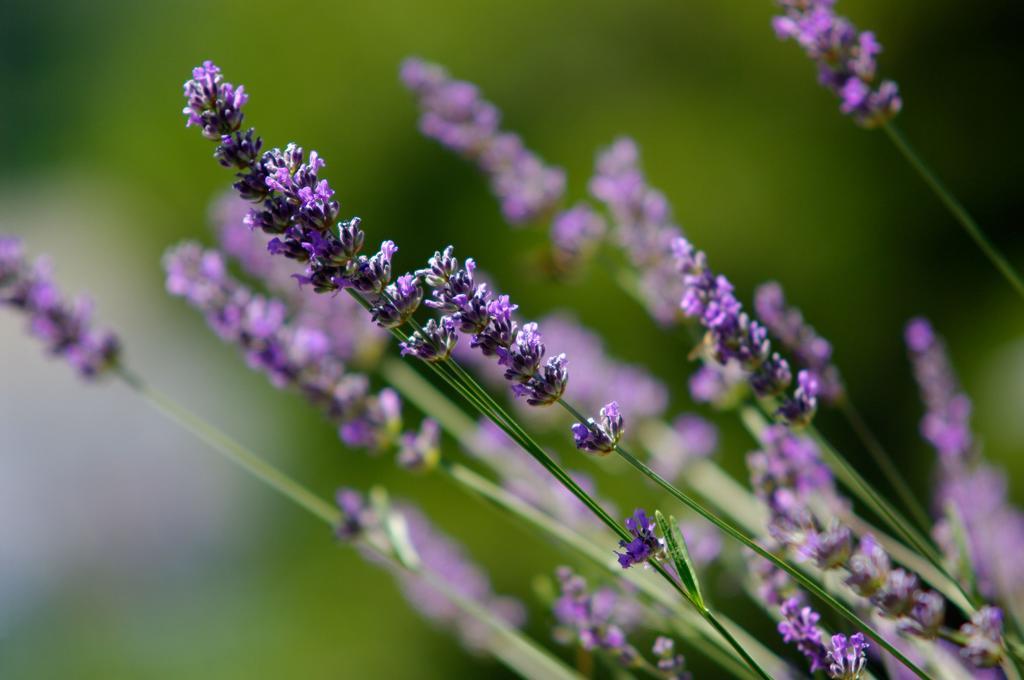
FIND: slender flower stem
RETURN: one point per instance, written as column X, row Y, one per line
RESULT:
column 885, row 462
column 508, row 645
column 749, row 542
column 954, row 206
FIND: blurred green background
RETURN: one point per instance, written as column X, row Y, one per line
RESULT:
column 128, row 551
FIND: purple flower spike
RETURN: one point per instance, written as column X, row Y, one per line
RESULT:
column 213, row 105
column 454, row 114
column 434, row 342
column 845, row 59
column 799, row 627
column 800, row 409
column 400, row 301
column 897, row 596
column 594, row 619
column 810, row 350
column 847, row 657
column 523, row 357
column 645, row 545
column 64, row 328
column 926, row 616
column 672, row 665
column 548, row 385
column 831, row 549
column 602, row 437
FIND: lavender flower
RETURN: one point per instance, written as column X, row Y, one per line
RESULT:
column 643, row 225
column 976, row 491
column 695, row 439
column 600, row 437
column 844, row 56
column 455, row 115
column 799, row 627
column 576, row 233
column 984, row 634
column 356, row 515
column 810, row 350
column 598, row 619
column 290, row 354
column 65, row 329
column 672, row 665
column 422, row 450
column 946, row 425
column 847, row 657
column 645, row 545
column 868, row 567
column 734, row 337
column 434, row 342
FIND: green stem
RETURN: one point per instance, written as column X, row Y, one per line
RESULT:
column 885, row 462
column 508, row 645
column 954, row 206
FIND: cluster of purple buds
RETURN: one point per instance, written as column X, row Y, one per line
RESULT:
column 788, row 474
column 471, row 309
column 576, row 233
column 454, row 114
column 671, row 665
column 946, row 425
column 645, row 546
column 290, row 355
column 732, row 336
column 601, row 436
column 799, row 627
column 846, row 58
column 65, row 329
column 643, row 224
column 810, row 351
column 595, row 620
column 340, row 318
column 848, row 656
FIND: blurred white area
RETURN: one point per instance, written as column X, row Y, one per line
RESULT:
column 94, row 484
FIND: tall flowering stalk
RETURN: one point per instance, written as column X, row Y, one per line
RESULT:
column 65, row 328
column 970, row 493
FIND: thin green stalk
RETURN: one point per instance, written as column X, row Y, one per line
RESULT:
column 749, row 542
column 884, row 462
column 508, row 645
column 954, row 206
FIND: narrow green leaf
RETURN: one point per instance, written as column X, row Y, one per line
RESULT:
column 676, row 545
column 963, row 566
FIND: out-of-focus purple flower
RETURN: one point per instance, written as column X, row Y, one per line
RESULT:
column 897, row 596
column 64, row 328
column 926, row 615
column 717, row 384
column 356, row 515
column 594, row 619
column 643, row 225
column 799, row 627
column 868, row 567
column 339, row 318
column 976, row 491
column 576, row 233
column 446, row 559
column 799, row 410
column 831, row 548
column 644, row 546
column 600, row 437
column 845, row 58
column 946, row 425
column 289, row 353
column 672, row 665
column 810, row 350
column 454, row 114
column 693, row 438
column 421, row 450
column 848, row 656
column 984, row 635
